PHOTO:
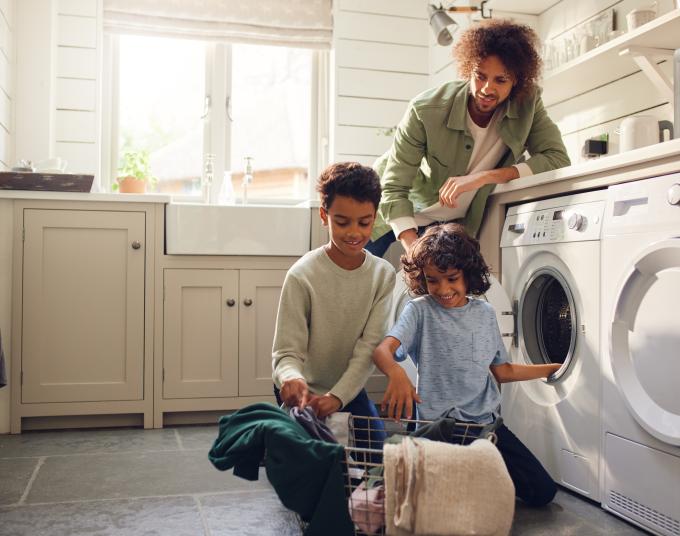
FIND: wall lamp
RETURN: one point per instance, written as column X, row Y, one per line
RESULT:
column 444, row 26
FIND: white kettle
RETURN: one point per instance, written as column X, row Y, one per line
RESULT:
column 642, row 130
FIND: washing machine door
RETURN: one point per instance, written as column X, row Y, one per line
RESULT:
column 644, row 338
column 547, row 320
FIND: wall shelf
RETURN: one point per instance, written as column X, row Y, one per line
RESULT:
column 605, row 63
column 526, row 7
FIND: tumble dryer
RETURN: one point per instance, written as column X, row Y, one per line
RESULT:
column 551, row 272
column 641, row 353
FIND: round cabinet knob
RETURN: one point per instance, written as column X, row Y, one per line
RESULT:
column 231, row 302
column 136, row 244
column 576, row 222
column 674, row 194
column 247, row 302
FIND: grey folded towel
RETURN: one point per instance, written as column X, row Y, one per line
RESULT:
column 312, row 424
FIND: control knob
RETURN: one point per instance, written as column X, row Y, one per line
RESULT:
column 674, row 194
column 576, row 222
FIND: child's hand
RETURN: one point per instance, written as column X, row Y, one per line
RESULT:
column 400, row 394
column 324, row 405
column 553, row 369
column 295, row 393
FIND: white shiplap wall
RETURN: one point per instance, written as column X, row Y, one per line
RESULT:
column 6, row 82
column 76, row 89
column 58, row 82
column 381, row 61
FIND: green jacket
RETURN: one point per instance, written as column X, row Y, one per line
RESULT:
column 306, row 473
column 432, row 143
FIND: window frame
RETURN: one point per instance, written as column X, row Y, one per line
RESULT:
column 217, row 130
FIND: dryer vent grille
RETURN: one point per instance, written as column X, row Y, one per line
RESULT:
column 662, row 522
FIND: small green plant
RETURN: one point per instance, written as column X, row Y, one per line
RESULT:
column 136, row 165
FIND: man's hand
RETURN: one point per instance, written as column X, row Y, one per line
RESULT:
column 324, row 405
column 455, row 186
column 295, row 393
column 400, row 394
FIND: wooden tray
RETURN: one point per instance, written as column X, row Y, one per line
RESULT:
column 50, row 182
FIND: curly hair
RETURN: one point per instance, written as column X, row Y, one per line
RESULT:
column 446, row 246
column 349, row 179
column 516, row 45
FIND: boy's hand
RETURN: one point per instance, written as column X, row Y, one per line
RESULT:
column 295, row 393
column 324, row 405
column 400, row 394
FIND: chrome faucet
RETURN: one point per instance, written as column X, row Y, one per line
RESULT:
column 207, row 178
column 247, row 178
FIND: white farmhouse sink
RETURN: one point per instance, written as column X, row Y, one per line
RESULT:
column 198, row 229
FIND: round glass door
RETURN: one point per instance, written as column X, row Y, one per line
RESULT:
column 547, row 320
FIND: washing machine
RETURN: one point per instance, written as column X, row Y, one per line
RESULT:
column 550, row 253
column 641, row 353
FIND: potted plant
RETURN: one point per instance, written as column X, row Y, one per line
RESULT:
column 134, row 173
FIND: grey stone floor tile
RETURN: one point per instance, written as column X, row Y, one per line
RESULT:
column 14, row 477
column 593, row 513
column 248, row 514
column 172, row 516
column 86, row 441
column 197, row 437
column 109, row 476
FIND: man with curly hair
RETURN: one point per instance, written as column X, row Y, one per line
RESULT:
column 458, row 140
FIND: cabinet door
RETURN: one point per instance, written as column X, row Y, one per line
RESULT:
column 83, row 306
column 200, row 330
column 260, row 293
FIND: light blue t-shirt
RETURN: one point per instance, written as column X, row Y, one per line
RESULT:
column 453, row 349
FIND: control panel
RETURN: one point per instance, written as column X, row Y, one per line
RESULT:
column 569, row 223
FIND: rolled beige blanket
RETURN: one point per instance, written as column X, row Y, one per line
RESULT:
column 443, row 489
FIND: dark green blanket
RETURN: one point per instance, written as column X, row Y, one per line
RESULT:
column 306, row 473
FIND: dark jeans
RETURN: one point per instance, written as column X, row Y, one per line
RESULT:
column 532, row 482
column 368, row 433
column 379, row 246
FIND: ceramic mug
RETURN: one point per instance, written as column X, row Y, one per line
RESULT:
column 642, row 130
column 640, row 16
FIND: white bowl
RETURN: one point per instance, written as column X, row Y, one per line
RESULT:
column 51, row 165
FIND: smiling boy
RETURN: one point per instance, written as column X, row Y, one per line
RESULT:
column 335, row 303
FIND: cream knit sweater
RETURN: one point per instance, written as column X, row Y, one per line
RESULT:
column 329, row 322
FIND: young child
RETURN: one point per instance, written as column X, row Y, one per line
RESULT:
column 335, row 304
column 454, row 341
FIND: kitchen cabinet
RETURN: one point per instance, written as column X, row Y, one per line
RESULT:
column 79, row 318
column 260, row 291
column 200, row 333
column 218, row 329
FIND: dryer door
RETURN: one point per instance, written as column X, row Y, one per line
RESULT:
column 644, row 338
column 547, row 319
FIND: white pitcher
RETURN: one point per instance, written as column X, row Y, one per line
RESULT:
column 642, row 130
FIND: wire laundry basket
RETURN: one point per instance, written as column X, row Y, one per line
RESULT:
column 364, row 466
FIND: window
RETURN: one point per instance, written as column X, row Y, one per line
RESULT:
column 179, row 100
